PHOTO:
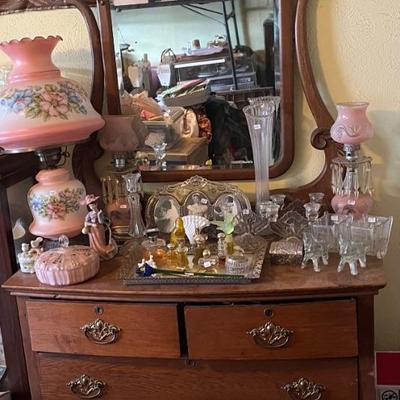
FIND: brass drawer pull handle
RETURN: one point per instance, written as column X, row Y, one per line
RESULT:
column 303, row 389
column 101, row 332
column 86, row 388
column 271, row 336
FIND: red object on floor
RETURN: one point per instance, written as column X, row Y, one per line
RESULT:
column 388, row 368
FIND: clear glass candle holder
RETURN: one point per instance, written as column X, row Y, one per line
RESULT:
column 312, row 211
column 269, row 211
column 278, row 199
column 316, row 197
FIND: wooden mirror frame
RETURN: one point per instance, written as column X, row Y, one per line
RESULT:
column 286, row 49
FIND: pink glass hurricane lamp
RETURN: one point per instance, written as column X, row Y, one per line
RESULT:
column 351, row 173
column 39, row 108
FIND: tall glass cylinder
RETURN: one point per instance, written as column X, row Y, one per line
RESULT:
column 260, row 119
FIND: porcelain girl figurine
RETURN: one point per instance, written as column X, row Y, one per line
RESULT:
column 29, row 255
column 94, row 227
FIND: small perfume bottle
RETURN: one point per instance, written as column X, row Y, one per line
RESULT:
column 154, row 246
column 171, row 257
column 200, row 244
column 229, row 245
column 221, row 247
column 208, row 263
column 182, row 259
column 178, row 234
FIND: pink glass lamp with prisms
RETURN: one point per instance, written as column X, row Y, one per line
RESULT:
column 351, row 173
column 40, row 111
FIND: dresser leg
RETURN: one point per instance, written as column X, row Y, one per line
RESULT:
column 366, row 344
column 33, row 374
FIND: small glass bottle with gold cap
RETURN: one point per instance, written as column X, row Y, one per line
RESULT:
column 221, row 247
column 178, row 234
column 208, row 263
column 154, row 246
column 171, row 258
column 200, row 241
column 229, row 245
column 182, row 260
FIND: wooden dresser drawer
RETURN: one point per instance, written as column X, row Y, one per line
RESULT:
column 205, row 380
column 105, row 329
column 261, row 332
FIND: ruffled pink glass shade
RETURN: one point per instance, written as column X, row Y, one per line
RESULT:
column 39, row 108
column 352, row 125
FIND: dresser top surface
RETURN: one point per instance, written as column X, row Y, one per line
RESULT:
column 276, row 282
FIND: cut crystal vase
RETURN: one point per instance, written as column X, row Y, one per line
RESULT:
column 260, row 119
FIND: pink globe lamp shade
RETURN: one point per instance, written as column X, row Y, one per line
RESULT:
column 39, row 108
column 352, row 126
column 57, row 204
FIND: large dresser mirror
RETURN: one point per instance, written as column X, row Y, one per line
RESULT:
column 223, row 53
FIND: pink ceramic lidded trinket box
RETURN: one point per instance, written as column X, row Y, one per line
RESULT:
column 67, row 265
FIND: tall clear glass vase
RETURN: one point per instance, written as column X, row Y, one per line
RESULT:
column 260, row 120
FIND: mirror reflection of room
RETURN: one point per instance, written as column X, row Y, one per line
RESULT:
column 189, row 70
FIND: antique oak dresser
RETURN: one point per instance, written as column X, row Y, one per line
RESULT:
column 294, row 334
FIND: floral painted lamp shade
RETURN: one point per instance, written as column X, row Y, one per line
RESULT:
column 57, row 203
column 39, row 108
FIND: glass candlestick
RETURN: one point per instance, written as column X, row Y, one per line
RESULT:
column 312, row 211
column 278, row 199
column 269, row 211
column 316, row 197
column 136, row 224
column 260, row 119
column 160, row 154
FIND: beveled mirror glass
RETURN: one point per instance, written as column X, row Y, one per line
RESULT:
column 241, row 48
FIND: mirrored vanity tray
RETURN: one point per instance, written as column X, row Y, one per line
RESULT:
column 128, row 275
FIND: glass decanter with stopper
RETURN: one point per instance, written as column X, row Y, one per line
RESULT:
column 136, row 224
column 115, row 197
